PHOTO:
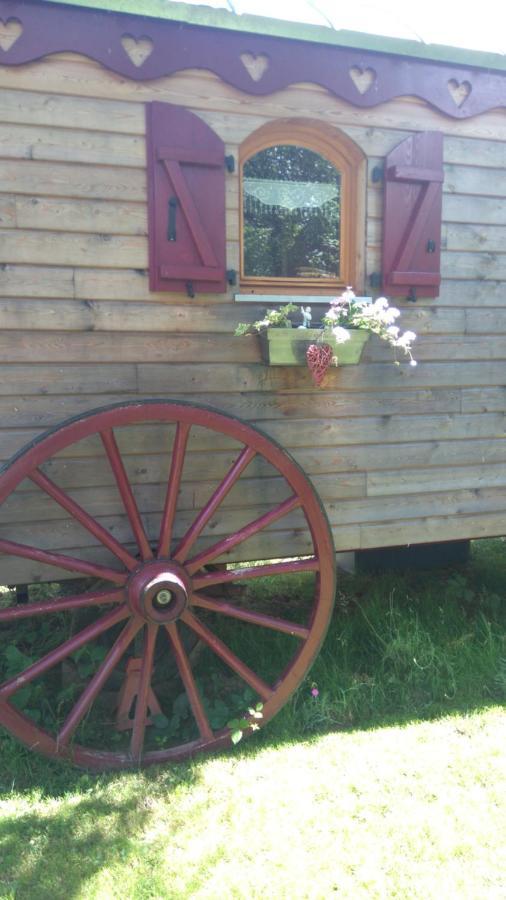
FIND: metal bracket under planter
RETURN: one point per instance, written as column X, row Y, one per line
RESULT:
column 288, row 346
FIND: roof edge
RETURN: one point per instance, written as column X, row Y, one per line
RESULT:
column 300, row 31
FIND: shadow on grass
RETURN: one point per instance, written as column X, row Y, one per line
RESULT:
column 74, row 824
column 51, row 854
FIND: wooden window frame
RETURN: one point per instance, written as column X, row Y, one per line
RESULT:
column 349, row 159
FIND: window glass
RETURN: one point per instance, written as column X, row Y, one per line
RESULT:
column 291, row 214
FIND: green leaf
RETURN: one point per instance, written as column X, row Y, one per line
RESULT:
column 160, row 721
column 181, row 703
column 22, row 696
column 16, row 658
column 236, row 736
column 216, row 720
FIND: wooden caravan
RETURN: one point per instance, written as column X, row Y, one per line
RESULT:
column 143, row 163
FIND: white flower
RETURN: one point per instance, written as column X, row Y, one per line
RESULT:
column 405, row 340
column 393, row 330
column 332, row 314
column 380, row 304
column 390, row 315
column 413, row 362
column 341, row 334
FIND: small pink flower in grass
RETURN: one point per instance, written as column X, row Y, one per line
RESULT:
column 314, row 691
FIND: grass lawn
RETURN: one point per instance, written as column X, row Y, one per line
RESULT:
column 390, row 783
column 411, row 811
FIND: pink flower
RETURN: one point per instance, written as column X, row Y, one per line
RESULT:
column 315, row 692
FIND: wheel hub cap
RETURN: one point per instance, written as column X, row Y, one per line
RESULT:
column 159, row 592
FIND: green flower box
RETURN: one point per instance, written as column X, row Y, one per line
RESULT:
column 288, row 346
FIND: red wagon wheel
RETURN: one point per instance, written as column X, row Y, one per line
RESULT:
column 143, row 695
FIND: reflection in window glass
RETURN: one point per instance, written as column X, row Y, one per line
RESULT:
column 291, row 210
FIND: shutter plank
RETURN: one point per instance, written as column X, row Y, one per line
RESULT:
column 414, row 278
column 411, row 173
column 183, row 154
column 191, row 273
column 412, row 216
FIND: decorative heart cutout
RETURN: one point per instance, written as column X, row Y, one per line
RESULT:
column 319, row 358
column 459, row 91
column 137, row 50
column 256, row 66
column 10, row 31
column 363, row 79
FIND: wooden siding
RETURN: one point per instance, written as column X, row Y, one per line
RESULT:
column 402, row 455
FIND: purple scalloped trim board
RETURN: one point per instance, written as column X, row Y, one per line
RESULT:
column 144, row 48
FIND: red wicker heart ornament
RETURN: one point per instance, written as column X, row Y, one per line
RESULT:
column 319, row 359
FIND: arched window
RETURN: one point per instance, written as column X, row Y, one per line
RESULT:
column 301, row 208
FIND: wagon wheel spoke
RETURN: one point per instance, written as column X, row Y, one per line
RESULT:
column 124, row 487
column 90, row 633
column 226, row 654
column 176, row 470
column 96, row 684
column 84, row 519
column 268, row 570
column 232, row 476
column 141, row 706
column 189, row 683
column 225, row 545
column 246, row 615
column 57, row 606
column 61, row 561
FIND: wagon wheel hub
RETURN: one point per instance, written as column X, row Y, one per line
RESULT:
column 159, row 592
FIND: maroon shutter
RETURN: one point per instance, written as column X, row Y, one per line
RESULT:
column 412, row 216
column 186, row 197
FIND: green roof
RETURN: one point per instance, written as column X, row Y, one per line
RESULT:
column 222, row 18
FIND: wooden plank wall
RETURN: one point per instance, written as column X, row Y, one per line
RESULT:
column 402, row 455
